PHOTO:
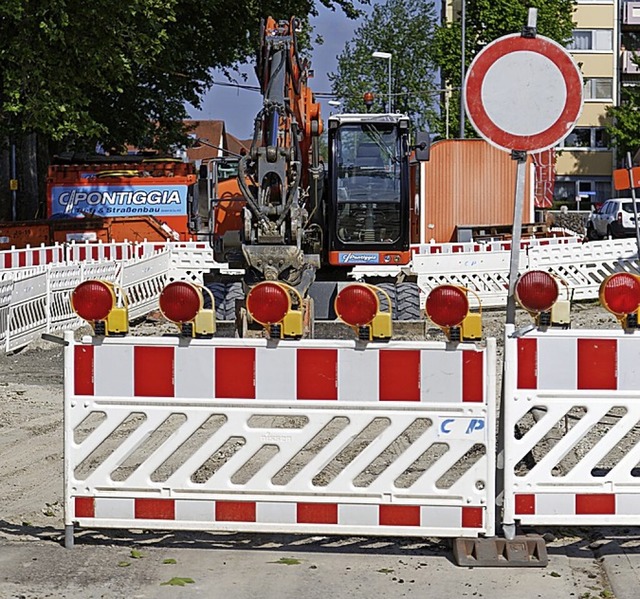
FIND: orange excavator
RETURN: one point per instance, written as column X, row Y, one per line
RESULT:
column 299, row 214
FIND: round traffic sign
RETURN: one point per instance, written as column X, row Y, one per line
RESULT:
column 523, row 93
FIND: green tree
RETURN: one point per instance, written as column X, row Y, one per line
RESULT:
column 624, row 127
column 487, row 20
column 121, row 72
column 403, row 28
column 73, row 72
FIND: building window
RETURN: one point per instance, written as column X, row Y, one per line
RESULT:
column 586, row 138
column 587, row 40
column 598, row 88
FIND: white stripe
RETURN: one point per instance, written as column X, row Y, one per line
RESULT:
column 276, row 513
column 194, row 510
column 358, row 375
column 358, row 514
column 114, row 507
column 627, row 504
column 113, row 370
column 441, row 516
column 441, row 376
column 194, row 371
column 276, row 373
column 628, row 364
column 555, row 504
column 557, row 363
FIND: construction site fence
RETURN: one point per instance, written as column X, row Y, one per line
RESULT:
column 48, row 273
column 36, row 282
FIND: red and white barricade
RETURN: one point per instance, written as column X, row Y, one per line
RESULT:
column 315, row 436
column 571, row 410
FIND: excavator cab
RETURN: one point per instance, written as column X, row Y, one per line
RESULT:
column 368, row 190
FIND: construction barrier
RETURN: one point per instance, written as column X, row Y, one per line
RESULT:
column 289, row 436
column 571, row 422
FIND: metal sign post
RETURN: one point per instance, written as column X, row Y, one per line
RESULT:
column 522, row 93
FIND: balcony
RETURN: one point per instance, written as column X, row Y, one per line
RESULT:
column 631, row 13
column 629, row 67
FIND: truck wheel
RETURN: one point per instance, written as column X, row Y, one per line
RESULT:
column 234, row 292
column 408, row 304
column 218, row 291
column 390, row 288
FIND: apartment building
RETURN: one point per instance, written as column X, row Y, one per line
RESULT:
column 584, row 161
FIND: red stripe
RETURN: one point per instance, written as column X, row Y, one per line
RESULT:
column 83, row 370
column 85, row 507
column 600, row 503
column 399, row 375
column 317, row 513
column 472, row 517
column 526, row 504
column 7, row 260
column 236, row 511
column 472, row 370
column 48, row 256
column 22, row 259
column 597, row 364
column 527, row 363
column 153, row 371
column 399, row 515
column 235, row 372
column 155, row 509
column 35, row 259
column 316, row 373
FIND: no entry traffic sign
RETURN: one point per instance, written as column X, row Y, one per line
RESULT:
column 523, row 93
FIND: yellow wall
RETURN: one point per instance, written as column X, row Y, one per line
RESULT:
column 594, row 65
column 590, row 16
column 593, row 115
column 586, row 163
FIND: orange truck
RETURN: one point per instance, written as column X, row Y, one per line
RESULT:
column 116, row 199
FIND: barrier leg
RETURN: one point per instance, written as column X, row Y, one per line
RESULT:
column 68, row 536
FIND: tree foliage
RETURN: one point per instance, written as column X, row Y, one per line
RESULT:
column 624, row 128
column 77, row 72
column 403, row 28
column 487, row 20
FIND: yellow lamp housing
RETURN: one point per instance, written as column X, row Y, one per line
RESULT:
column 358, row 306
column 103, row 305
column 278, row 308
column 182, row 303
column 620, row 294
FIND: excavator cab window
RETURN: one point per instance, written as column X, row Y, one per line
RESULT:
column 369, row 174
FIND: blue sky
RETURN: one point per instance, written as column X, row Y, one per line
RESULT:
column 238, row 107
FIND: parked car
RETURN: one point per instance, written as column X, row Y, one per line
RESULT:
column 615, row 218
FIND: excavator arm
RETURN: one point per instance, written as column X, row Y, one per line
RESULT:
column 281, row 176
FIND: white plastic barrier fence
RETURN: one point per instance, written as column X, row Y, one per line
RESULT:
column 571, row 420
column 582, row 266
column 308, row 436
column 27, row 318
column 143, row 282
column 32, row 256
column 6, row 287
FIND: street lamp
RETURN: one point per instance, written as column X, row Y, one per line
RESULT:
column 386, row 56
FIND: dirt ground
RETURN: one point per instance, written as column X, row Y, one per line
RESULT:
column 31, row 394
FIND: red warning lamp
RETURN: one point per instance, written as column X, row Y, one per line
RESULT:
column 180, row 302
column 357, row 305
column 620, row 294
column 96, row 302
column 268, row 303
column 368, row 100
column 537, row 291
column 93, row 300
column 447, row 305
column 278, row 308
